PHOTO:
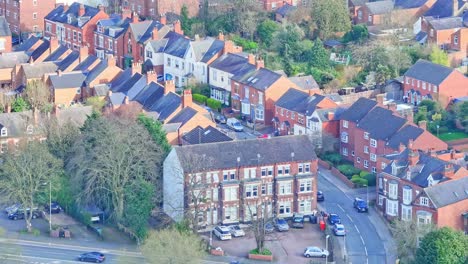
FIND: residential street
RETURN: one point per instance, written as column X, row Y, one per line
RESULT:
column 363, row 244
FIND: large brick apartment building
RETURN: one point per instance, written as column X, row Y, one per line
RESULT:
column 158, row 8
column 26, row 16
column 231, row 178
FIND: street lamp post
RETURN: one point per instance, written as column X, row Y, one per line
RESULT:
column 50, row 206
column 326, row 247
column 438, row 130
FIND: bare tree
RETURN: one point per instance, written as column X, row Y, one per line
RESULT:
column 259, row 213
column 37, row 94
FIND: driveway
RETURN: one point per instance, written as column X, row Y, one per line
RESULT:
column 287, row 247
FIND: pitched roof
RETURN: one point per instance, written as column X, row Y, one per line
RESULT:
column 305, row 82
column 177, row 44
column 17, row 123
column 68, row 60
column 10, row 59
column 57, row 53
column 449, row 192
column 235, row 64
column 27, row 44
column 71, row 15
column 143, row 30
column 445, row 23
column 260, row 79
column 200, row 135
column 251, row 152
column 285, row 9
column 443, row 8
column 159, row 45
column 86, row 63
column 404, row 135
column 166, row 106
column 76, row 115
column 92, row 74
column 37, row 70
column 215, row 48
column 404, row 4
column 67, row 80
column 4, row 28
column 37, row 52
column 114, row 26
column 380, row 7
column 381, row 123
column 428, row 72
column 358, row 110
column 183, row 116
column 299, row 102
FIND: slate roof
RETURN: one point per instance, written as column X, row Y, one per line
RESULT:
column 61, row 16
column 380, row 7
column 68, row 60
column 260, row 79
column 305, row 82
column 381, row 123
column 143, row 30
column 183, row 116
column 449, row 192
column 215, row 48
column 428, row 72
column 165, row 106
column 443, row 8
column 159, row 45
column 177, row 44
column 57, row 53
column 84, row 65
column 235, row 64
column 4, row 28
column 116, row 23
column 37, row 52
column 358, row 110
column 200, row 135
column 27, row 44
column 17, row 123
column 76, row 115
column 67, row 80
column 406, row 4
column 252, row 152
column 299, row 102
column 404, row 135
column 445, row 23
column 131, row 88
column 37, row 70
column 285, row 9
column 92, row 74
column 10, row 59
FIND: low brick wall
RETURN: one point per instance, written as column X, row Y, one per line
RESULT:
column 216, row 252
column 261, row 257
column 324, row 164
column 343, row 178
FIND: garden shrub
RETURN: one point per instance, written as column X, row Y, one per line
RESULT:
column 265, row 252
column 348, row 170
column 199, row 98
column 358, row 180
column 213, row 103
column 334, row 158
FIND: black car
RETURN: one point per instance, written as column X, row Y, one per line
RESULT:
column 220, row 119
column 96, row 257
column 19, row 214
column 54, row 208
column 320, row 196
column 334, row 219
column 360, row 205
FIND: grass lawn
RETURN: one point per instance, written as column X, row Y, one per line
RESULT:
column 453, row 136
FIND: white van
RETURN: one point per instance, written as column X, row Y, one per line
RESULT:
column 234, row 124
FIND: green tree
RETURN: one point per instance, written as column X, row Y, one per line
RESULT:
column 461, row 113
column 439, row 56
column 185, row 20
column 96, row 102
column 173, row 246
column 330, row 17
column 358, row 33
column 266, row 31
column 37, row 95
column 60, row 137
column 24, row 177
column 138, row 208
column 156, row 131
column 382, row 74
column 20, row 105
column 319, row 56
column 443, row 246
column 287, row 40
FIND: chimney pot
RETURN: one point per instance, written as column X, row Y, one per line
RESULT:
column 163, row 19
column 221, row 36
column 423, row 124
column 251, row 59
column 151, row 76
column 331, row 115
column 380, row 99
column 187, row 98
column 169, row 86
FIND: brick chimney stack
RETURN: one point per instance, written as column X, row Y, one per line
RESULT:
column 187, row 98
column 251, row 59
column 169, row 86
column 154, row 34
column 380, row 99
column 126, row 100
column 53, row 44
column 84, row 52
column 413, row 156
column 126, row 13
column 259, row 63
column 221, row 36
column 449, row 171
column 81, row 12
column 135, row 18
column 151, row 76
column 163, row 19
column 392, row 107
column 331, row 115
column 110, row 60
column 423, row 124
column 65, row 8
column 136, row 68
column 178, row 27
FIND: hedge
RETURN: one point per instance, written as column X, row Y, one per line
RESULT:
column 213, row 103
column 265, row 252
column 348, row 170
column 199, row 98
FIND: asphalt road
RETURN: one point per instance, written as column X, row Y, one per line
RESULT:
column 363, row 244
column 246, row 134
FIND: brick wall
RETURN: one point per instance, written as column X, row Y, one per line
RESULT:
column 341, row 177
column 451, row 215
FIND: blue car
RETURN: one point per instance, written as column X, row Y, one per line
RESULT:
column 334, row 219
column 360, row 205
column 96, row 257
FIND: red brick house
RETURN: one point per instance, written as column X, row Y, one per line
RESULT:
column 373, row 13
column 427, row 80
column 74, row 25
column 231, row 186
column 369, row 130
column 26, row 16
column 5, row 36
column 418, row 186
column 158, row 8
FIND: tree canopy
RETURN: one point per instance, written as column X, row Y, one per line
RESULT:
column 444, row 245
column 330, row 17
column 439, row 56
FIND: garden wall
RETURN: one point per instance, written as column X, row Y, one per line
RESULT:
column 324, row 164
column 343, row 178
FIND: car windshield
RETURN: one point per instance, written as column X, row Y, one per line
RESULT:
column 339, row 228
column 237, row 124
column 362, row 203
column 298, row 219
column 281, row 221
column 236, row 227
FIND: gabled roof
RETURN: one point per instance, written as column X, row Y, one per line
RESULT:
column 92, row 74
column 235, row 64
column 305, row 82
column 200, row 135
column 61, row 16
column 57, row 53
column 285, row 9
column 27, row 44
column 183, row 116
column 36, row 53
column 251, row 152
column 260, row 79
column 216, row 47
column 114, row 24
column 158, row 45
column 381, row 123
column 449, row 192
column 67, row 80
column 443, row 8
column 428, row 72
column 299, row 102
column 177, row 44
column 130, row 88
column 166, row 106
column 37, row 70
column 68, row 60
column 404, row 135
column 142, row 31
column 4, row 28
column 406, row 4
column 445, row 23
column 86, row 63
column 10, row 59
column 380, row 7
column 358, row 110
column 17, row 123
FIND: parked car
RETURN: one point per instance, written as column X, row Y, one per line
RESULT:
column 298, row 220
column 54, row 208
column 360, row 205
column 236, row 231
column 264, row 136
column 19, row 214
column 339, row 230
column 334, row 219
column 96, row 257
column 12, row 208
column 222, row 232
column 220, row 119
column 320, row 196
column 281, row 224
column 234, row 124
column 269, row 228
column 315, row 252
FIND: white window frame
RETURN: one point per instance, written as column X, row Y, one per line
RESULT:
column 406, row 213
column 393, row 190
column 373, row 143
column 424, row 201
column 4, row 132
column 345, row 151
column 373, row 157
column 230, row 194
column 345, row 123
column 366, row 164
column 305, row 185
column 392, row 208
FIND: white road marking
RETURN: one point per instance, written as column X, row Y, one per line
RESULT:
column 357, row 229
column 365, row 249
column 341, row 207
column 362, row 239
column 350, row 219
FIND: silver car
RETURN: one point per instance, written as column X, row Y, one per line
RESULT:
column 315, row 252
column 236, row 231
column 281, row 224
column 339, row 230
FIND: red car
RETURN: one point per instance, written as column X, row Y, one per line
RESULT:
column 264, row 136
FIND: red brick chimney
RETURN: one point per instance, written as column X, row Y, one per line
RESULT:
column 154, row 34
column 187, row 98
column 449, row 171
column 53, row 44
column 126, row 13
column 423, row 124
column 163, row 19
column 84, row 52
column 251, row 59
column 331, row 115
column 81, row 12
column 151, row 76
column 413, row 156
column 228, row 47
column 136, row 68
column 126, row 100
column 169, row 86
column 135, row 18
column 110, row 60
column 178, row 27
column 392, row 106
column 259, row 63
column 221, row 36
column 380, row 99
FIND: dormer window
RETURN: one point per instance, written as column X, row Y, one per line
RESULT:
column 30, row 129
column 4, row 132
column 69, row 18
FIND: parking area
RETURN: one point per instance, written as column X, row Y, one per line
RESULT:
column 287, row 247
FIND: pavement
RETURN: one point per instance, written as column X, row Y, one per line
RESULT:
column 368, row 238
